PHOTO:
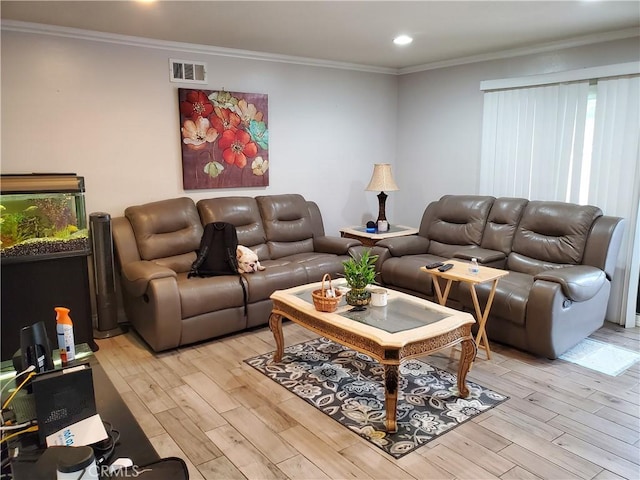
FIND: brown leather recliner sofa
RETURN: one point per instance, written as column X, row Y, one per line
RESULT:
column 155, row 245
column 561, row 258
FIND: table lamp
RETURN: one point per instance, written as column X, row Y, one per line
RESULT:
column 382, row 180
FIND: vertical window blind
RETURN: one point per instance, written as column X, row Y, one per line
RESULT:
column 577, row 142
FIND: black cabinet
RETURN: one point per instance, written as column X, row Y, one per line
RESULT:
column 31, row 290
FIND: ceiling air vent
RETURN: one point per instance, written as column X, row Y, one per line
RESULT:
column 187, row 71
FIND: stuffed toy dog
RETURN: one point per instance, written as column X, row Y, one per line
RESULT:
column 247, row 260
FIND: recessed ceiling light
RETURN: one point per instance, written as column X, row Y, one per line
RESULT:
column 402, row 40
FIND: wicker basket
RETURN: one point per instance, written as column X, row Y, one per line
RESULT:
column 320, row 299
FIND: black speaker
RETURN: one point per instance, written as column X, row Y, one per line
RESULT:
column 104, row 275
column 35, row 349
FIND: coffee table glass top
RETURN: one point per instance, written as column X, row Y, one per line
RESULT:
column 397, row 316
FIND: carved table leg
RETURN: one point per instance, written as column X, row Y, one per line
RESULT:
column 275, row 324
column 391, row 396
column 467, row 356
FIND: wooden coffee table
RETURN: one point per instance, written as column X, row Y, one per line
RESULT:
column 406, row 327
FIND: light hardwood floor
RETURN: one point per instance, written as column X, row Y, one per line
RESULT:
column 203, row 404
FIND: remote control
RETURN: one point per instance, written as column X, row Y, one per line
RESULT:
column 445, row 267
column 431, row 266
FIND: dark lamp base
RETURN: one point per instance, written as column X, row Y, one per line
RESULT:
column 382, row 200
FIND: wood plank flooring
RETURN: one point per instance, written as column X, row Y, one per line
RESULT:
column 203, row 404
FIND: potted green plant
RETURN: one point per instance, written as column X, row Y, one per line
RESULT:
column 359, row 271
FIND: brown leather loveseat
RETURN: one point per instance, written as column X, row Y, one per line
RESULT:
column 561, row 258
column 155, row 245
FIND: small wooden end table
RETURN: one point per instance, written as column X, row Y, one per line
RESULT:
column 369, row 239
column 460, row 273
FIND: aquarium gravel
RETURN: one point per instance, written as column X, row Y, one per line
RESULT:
column 46, row 246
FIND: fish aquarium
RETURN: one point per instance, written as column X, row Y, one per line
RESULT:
column 42, row 216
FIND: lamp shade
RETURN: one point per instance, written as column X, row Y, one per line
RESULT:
column 382, row 179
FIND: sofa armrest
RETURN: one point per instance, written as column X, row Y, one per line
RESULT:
column 603, row 244
column 334, row 245
column 409, row 245
column 579, row 282
column 483, row 255
column 137, row 275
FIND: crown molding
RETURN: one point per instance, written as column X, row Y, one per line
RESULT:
column 54, row 30
column 519, row 52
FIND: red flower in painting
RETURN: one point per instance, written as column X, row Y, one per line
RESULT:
column 196, row 105
column 236, row 146
column 224, row 119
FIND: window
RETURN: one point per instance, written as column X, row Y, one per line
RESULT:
column 576, row 141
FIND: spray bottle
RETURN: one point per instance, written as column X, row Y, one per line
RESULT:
column 64, row 329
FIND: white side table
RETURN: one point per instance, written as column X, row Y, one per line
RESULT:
column 369, row 239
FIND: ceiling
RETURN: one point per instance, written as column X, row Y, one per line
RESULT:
column 352, row 32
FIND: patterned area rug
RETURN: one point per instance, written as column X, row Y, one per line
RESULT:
column 348, row 386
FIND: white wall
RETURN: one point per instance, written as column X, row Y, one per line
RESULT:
column 440, row 120
column 108, row 112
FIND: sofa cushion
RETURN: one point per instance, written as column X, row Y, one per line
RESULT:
column 552, row 232
column 317, row 264
column 200, row 295
column 502, row 223
column 510, row 301
column 405, row 273
column 241, row 212
column 458, row 220
column 277, row 275
column 168, row 228
column 177, row 263
column 287, row 224
column 528, row 265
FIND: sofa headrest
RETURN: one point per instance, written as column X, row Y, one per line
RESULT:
column 287, row 224
column 243, row 213
column 554, row 231
column 166, row 228
column 460, row 219
column 286, row 217
column 502, row 223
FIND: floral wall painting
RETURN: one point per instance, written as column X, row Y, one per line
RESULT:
column 225, row 139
